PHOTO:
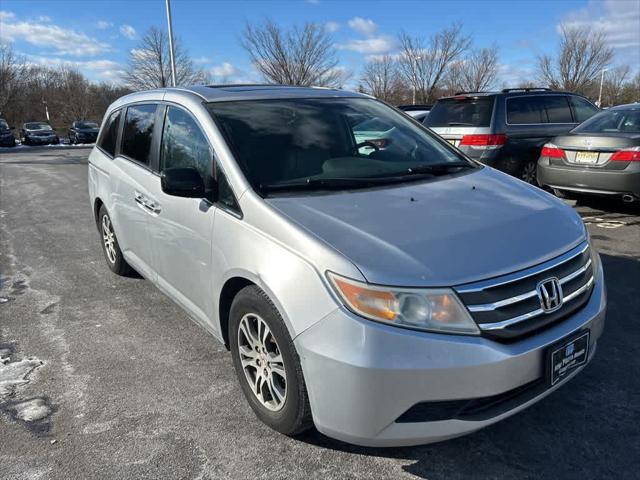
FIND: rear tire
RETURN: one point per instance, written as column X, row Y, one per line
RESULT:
column 528, row 172
column 267, row 364
column 110, row 247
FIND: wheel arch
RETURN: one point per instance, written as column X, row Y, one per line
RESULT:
column 228, row 292
column 97, row 204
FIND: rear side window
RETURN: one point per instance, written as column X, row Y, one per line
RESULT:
column 558, row 110
column 183, row 143
column 461, row 112
column 109, row 136
column 583, row 109
column 525, row 110
column 138, row 132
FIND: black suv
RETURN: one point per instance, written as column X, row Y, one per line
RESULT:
column 507, row 129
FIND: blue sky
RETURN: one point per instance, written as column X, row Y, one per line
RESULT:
column 97, row 36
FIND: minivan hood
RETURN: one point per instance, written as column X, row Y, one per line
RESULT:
column 448, row 231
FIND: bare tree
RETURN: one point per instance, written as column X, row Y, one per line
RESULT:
column 299, row 56
column 613, row 85
column 12, row 70
column 475, row 73
column 380, row 78
column 149, row 65
column 584, row 52
column 424, row 63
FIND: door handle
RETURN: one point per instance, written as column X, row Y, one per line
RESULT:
column 149, row 205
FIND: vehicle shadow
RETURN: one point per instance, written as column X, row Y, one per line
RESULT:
column 609, row 205
column 586, row 429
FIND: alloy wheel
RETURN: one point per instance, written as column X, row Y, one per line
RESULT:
column 262, row 362
column 109, row 239
column 529, row 173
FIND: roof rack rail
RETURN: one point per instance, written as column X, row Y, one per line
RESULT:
column 527, row 89
column 467, row 93
column 227, row 85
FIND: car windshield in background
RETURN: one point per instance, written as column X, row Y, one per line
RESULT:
column 4, row 125
column 612, row 121
column 37, row 126
column 461, row 111
column 329, row 143
column 87, row 125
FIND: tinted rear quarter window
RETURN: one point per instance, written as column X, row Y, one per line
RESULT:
column 109, row 136
column 583, row 109
column 461, row 112
column 525, row 110
column 138, row 132
column 558, row 110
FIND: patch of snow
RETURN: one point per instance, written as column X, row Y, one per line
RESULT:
column 13, row 374
column 32, row 410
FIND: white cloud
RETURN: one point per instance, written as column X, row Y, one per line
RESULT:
column 332, row 27
column 103, row 25
column 4, row 15
column 44, row 18
column 225, row 70
column 516, row 73
column 128, row 31
column 141, row 53
column 201, row 60
column 364, row 26
column 619, row 19
column 99, row 70
column 63, row 41
column 370, row 46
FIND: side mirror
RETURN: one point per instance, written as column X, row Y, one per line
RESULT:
column 182, row 182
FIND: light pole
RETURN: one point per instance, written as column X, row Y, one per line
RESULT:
column 171, row 53
column 46, row 110
column 601, row 82
column 414, row 62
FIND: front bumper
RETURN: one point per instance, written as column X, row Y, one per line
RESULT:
column 600, row 181
column 363, row 376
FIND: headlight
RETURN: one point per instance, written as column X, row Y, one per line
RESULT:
column 437, row 310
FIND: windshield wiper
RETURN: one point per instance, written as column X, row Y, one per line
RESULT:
column 437, row 168
column 326, row 183
column 460, row 124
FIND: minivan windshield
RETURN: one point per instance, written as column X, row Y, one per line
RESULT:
column 461, row 111
column 329, row 143
column 612, row 121
column 3, row 125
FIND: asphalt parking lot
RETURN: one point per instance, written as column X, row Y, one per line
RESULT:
column 104, row 377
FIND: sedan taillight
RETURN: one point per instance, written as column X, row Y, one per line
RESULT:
column 627, row 155
column 552, row 151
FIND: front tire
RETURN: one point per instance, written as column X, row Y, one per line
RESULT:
column 110, row 247
column 267, row 364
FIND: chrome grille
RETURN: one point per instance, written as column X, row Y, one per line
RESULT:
column 508, row 307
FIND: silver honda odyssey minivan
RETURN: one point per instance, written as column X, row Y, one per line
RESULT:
column 367, row 277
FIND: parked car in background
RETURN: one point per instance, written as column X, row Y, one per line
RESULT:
column 419, row 112
column 83, row 131
column 507, row 129
column 38, row 133
column 344, row 282
column 600, row 156
column 7, row 139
